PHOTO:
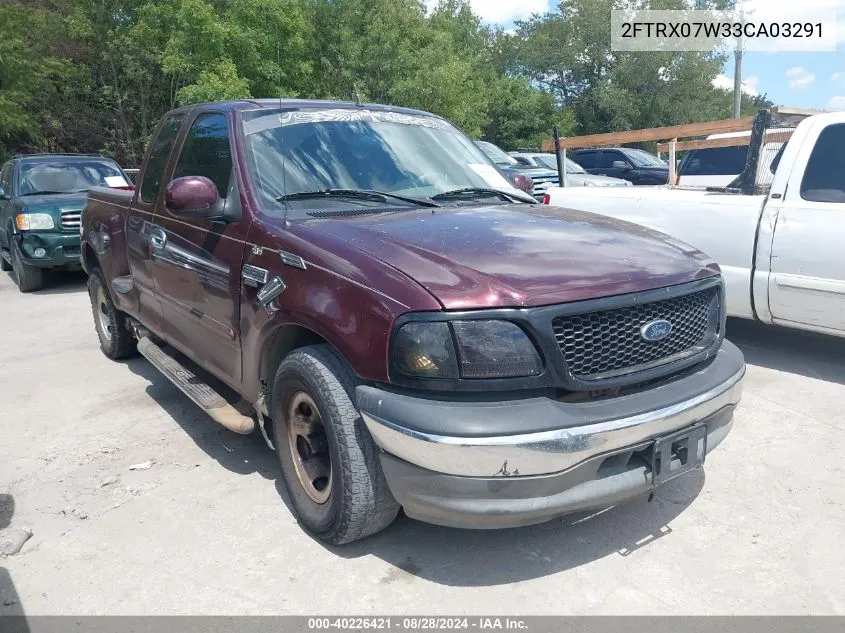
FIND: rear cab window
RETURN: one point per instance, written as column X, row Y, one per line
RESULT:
column 824, row 177
column 157, row 161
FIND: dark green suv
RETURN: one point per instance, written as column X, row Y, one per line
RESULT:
column 41, row 200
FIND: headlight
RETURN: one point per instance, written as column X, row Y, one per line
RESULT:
column 485, row 349
column 34, row 221
column 425, row 350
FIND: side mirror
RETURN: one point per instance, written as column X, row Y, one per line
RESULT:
column 193, row 196
column 3, row 195
column 620, row 164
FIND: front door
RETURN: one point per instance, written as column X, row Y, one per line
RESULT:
column 807, row 279
column 197, row 263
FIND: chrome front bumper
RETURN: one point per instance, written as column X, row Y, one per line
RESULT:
column 551, row 451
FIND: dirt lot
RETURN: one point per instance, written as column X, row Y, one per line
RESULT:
column 205, row 528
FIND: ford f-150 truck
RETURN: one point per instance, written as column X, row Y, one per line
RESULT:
column 41, row 198
column 410, row 330
column 780, row 247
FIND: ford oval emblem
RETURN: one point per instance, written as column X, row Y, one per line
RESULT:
column 656, row 330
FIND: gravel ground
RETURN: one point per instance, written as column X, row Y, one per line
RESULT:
column 201, row 525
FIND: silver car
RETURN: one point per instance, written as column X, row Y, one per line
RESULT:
column 575, row 174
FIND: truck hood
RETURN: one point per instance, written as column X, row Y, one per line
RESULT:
column 529, row 170
column 519, row 255
column 579, row 180
column 53, row 201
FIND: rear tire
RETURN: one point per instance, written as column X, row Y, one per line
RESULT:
column 28, row 278
column 329, row 461
column 116, row 338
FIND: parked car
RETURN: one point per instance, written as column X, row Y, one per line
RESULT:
column 635, row 165
column 576, row 176
column 541, row 177
column 720, row 166
column 780, row 250
column 410, row 329
column 41, row 198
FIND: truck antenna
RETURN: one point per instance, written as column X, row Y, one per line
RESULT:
column 281, row 128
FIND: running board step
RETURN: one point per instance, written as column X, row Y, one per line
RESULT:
column 202, row 394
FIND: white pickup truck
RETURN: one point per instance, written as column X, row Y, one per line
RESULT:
column 782, row 252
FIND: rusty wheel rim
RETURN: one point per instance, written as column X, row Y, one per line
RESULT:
column 103, row 313
column 309, row 447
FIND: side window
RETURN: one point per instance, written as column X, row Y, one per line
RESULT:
column 718, row 161
column 522, row 160
column 207, row 152
column 587, row 160
column 824, row 178
column 6, row 178
column 159, row 153
column 608, row 158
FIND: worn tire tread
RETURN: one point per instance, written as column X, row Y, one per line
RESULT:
column 28, row 278
column 122, row 344
column 367, row 505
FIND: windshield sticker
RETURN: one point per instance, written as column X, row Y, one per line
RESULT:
column 342, row 115
column 116, row 181
column 491, row 176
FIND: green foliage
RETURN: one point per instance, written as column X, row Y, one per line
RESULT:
column 95, row 75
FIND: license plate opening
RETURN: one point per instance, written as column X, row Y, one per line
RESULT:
column 678, row 453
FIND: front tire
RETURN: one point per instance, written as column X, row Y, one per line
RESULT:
column 28, row 278
column 5, row 266
column 116, row 338
column 329, row 461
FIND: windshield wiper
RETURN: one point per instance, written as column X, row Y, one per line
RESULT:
column 362, row 194
column 481, row 192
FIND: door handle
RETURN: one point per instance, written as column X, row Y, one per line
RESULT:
column 158, row 239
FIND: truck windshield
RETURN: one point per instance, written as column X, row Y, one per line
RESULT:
column 641, row 158
column 290, row 153
column 68, row 176
column 549, row 160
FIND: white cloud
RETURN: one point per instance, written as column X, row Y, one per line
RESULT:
column 503, row 11
column 839, row 76
column 783, row 11
column 799, row 77
column 836, row 103
column 749, row 84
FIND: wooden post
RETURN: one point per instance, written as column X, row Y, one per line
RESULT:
column 565, row 172
column 672, row 169
column 561, row 172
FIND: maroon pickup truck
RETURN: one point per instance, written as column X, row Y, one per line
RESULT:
column 409, row 329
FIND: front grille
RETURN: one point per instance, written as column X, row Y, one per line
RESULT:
column 71, row 219
column 541, row 183
column 609, row 343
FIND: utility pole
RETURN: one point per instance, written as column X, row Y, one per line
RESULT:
column 737, row 78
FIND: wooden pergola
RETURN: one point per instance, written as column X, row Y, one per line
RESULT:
column 672, row 133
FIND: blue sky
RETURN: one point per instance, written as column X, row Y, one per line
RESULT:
column 795, row 79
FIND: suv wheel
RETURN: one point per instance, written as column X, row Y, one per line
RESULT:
column 4, row 263
column 28, row 278
column 116, row 338
column 329, row 461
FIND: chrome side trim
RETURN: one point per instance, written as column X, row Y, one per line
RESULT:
column 550, row 451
